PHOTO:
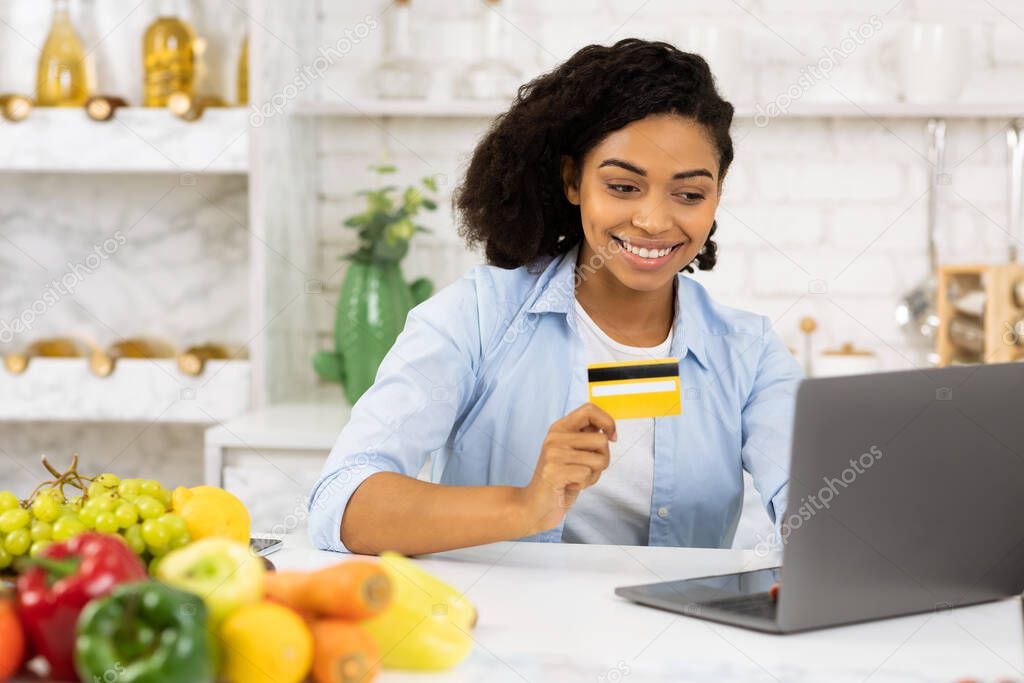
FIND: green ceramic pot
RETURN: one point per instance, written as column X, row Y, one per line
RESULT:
column 374, row 302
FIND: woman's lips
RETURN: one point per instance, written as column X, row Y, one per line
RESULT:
column 646, row 263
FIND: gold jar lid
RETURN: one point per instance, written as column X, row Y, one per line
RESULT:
column 16, row 363
column 179, row 103
column 15, row 107
column 190, row 363
column 101, row 364
column 102, row 107
column 99, row 109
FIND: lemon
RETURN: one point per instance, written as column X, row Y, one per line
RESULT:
column 211, row 511
column 265, row 643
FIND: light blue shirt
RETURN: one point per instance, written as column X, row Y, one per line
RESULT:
column 485, row 366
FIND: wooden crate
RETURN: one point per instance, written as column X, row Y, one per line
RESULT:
column 1002, row 311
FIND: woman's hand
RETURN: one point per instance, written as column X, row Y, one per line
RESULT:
column 572, row 457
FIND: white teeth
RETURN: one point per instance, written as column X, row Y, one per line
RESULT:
column 643, row 252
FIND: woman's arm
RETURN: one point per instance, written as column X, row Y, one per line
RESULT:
column 392, row 511
column 395, row 512
column 768, row 422
column 422, row 386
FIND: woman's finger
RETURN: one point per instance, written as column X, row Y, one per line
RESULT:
column 588, row 415
column 584, row 441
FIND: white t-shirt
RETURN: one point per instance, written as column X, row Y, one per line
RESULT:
column 617, row 509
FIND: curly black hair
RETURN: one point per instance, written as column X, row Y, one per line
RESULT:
column 512, row 198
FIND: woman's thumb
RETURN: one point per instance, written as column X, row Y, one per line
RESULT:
column 568, row 496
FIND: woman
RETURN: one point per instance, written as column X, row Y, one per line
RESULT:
column 590, row 197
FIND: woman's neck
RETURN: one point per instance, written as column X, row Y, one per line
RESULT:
column 629, row 316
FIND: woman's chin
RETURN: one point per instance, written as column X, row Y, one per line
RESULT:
column 644, row 280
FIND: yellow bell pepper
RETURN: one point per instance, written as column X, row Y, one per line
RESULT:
column 415, row 640
column 427, row 626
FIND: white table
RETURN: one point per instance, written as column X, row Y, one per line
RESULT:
column 548, row 612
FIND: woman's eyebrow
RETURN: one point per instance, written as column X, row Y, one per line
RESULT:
column 682, row 175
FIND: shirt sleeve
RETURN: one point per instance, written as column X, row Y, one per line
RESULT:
column 768, row 422
column 421, row 386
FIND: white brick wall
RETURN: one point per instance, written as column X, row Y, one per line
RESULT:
column 838, row 201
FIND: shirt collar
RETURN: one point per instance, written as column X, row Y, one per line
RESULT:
column 556, row 293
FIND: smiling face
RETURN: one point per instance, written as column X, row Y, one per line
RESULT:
column 647, row 195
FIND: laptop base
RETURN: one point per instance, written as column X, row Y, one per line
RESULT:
column 741, row 599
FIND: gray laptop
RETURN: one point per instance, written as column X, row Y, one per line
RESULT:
column 906, row 495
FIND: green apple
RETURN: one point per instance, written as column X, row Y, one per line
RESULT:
column 226, row 574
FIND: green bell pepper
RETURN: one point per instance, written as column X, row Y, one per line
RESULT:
column 144, row 632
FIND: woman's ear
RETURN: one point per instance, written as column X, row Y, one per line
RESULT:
column 570, row 180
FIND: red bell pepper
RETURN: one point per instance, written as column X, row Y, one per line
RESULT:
column 60, row 581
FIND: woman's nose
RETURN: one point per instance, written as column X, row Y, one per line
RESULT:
column 653, row 219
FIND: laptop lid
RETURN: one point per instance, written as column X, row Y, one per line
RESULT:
column 906, row 494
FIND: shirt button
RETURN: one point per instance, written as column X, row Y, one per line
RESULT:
column 663, row 512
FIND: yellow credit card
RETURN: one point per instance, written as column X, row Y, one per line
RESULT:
column 631, row 389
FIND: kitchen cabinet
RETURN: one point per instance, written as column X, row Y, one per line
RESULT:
column 270, row 458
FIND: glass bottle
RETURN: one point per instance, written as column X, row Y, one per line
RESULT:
column 167, row 56
column 61, row 79
column 493, row 77
column 91, row 39
column 399, row 74
column 243, row 73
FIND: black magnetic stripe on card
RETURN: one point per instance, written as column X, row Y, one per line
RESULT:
column 620, row 372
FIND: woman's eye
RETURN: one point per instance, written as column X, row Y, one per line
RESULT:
column 621, row 188
column 691, row 197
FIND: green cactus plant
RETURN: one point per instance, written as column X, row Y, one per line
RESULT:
column 375, row 297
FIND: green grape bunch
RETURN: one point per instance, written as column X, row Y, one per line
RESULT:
column 137, row 510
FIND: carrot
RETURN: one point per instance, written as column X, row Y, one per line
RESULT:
column 343, row 653
column 347, row 590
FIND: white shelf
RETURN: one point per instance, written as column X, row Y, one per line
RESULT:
column 487, row 109
column 136, row 140
column 63, row 389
